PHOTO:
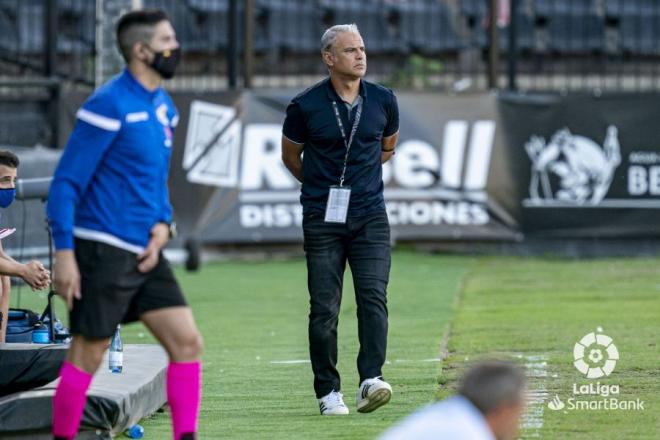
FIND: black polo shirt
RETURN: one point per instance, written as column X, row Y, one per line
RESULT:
column 310, row 120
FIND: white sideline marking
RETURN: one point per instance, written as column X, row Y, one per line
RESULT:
column 537, row 395
column 293, row 361
column 396, row 361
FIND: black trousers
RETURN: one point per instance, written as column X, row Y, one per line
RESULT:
column 365, row 243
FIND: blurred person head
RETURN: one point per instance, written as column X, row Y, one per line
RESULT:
column 146, row 37
column 8, row 171
column 342, row 50
column 497, row 390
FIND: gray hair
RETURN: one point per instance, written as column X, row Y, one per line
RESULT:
column 330, row 36
column 492, row 383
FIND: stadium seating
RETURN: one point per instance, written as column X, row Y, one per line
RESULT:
column 8, row 24
column 204, row 24
column 525, row 31
column 640, row 34
column 632, row 7
column 380, row 26
column 476, row 12
column 23, row 123
column 24, row 32
column 427, row 27
column 19, row 36
column 76, row 26
column 292, row 26
column 638, row 24
column 474, row 8
column 576, row 33
column 192, row 25
column 548, row 8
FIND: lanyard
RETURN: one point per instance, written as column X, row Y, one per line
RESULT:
column 343, row 135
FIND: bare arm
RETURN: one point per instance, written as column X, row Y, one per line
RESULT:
column 5, row 286
column 387, row 147
column 292, row 157
column 33, row 272
column 5, row 256
column 148, row 259
column 11, row 268
column 66, row 276
column 8, row 266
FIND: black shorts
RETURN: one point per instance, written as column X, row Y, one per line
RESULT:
column 114, row 291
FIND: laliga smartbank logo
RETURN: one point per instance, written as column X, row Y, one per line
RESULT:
column 595, row 356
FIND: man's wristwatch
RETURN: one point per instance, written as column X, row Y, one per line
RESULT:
column 172, row 228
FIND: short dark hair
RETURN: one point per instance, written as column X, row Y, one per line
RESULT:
column 137, row 26
column 9, row 159
column 489, row 384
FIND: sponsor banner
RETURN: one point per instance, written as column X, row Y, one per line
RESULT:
column 476, row 167
column 229, row 184
column 583, row 166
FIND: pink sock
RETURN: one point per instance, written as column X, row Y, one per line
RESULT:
column 69, row 400
column 184, row 392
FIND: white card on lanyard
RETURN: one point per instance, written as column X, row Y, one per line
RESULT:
column 337, row 208
column 339, row 197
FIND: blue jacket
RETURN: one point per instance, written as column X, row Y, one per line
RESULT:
column 111, row 182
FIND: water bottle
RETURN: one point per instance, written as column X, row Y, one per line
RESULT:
column 40, row 334
column 135, row 431
column 116, row 354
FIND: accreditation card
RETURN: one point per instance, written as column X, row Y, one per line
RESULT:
column 337, row 207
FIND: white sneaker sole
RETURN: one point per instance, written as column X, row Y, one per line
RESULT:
column 342, row 412
column 377, row 399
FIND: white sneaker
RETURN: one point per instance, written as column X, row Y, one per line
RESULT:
column 372, row 394
column 332, row 404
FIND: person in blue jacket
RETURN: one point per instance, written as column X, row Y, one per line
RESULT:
column 110, row 216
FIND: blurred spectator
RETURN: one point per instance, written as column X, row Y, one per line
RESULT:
column 33, row 273
column 489, row 404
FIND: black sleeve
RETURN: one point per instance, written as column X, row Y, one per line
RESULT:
column 294, row 127
column 392, row 118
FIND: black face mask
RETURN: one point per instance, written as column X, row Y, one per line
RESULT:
column 166, row 61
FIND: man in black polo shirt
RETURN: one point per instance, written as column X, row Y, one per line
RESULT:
column 346, row 127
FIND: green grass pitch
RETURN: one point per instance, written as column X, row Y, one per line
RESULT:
column 257, row 383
